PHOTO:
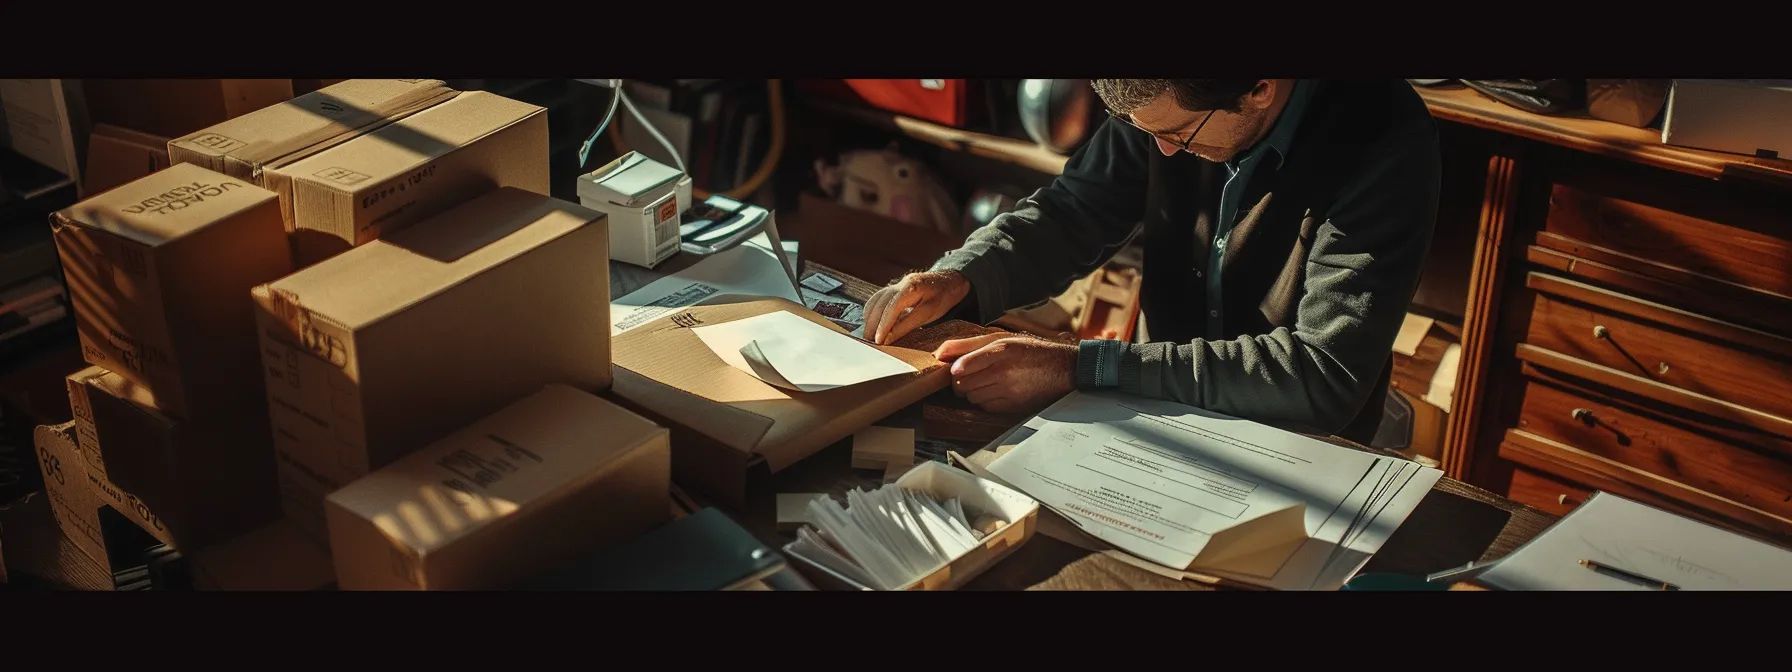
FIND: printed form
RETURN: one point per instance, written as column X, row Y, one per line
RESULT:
column 1195, row 490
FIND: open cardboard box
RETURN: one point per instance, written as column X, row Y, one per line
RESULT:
column 731, row 430
column 980, row 496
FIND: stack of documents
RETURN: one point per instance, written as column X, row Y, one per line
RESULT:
column 1198, row 491
column 887, row 538
column 1612, row 543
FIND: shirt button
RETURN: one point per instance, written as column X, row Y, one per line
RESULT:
column 1197, row 274
column 1213, row 313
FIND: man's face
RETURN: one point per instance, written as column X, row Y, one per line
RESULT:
column 1219, row 138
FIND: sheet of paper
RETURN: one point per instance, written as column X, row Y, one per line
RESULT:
column 749, row 269
column 1412, row 332
column 789, row 351
column 1643, row 541
column 1159, row 479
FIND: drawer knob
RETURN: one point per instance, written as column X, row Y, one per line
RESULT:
column 1601, row 332
column 1565, row 500
column 1662, row 368
column 1581, row 414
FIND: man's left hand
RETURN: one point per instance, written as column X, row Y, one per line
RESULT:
column 1006, row 373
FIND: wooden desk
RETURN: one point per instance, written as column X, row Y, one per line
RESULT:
column 1455, row 524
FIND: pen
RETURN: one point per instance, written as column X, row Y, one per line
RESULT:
column 1622, row 575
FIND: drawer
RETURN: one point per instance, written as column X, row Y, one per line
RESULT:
column 1564, row 465
column 1740, row 464
column 1545, row 492
column 1661, row 343
column 1724, row 243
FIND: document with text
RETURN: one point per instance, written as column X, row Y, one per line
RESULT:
column 1195, row 490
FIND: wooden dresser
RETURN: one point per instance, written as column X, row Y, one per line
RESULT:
column 1629, row 323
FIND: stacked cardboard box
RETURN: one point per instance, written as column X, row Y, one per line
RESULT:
column 371, row 355
column 409, row 170
column 437, row 284
column 158, row 272
column 250, row 146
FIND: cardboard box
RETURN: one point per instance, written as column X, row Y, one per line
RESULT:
column 863, row 244
column 297, row 128
column 411, row 169
column 157, row 273
column 75, row 507
column 373, row 354
column 640, row 196
column 1745, row 116
column 539, row 484
column 980, row 496
column 187, row 482
column 725, row 423
column 175, row 107
column 276, row 556
column 117, row 156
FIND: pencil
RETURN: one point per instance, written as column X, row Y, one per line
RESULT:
column 1631, row 577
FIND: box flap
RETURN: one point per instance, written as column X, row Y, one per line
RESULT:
column 529, row 452
column 367, row 283
column 166, row 205
column 368, row 160
column 276, row 131
column 676, row 375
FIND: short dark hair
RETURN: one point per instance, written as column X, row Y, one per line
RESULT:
column 1196, row 95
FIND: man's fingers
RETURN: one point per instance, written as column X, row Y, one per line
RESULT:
column 976, row 381
column 872, row 308
column 924, row 312
column 991, row 354
column 959, row 347
column 906, row 298
column 984, row 395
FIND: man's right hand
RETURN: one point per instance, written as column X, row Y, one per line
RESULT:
column 915, row 300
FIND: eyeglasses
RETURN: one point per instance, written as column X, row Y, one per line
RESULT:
column 1183, row 145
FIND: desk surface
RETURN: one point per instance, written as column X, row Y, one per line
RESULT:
column 1455, row 524
column 1577, row 131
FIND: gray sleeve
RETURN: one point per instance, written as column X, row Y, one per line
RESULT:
column 1062, row 232
column 1360, row 276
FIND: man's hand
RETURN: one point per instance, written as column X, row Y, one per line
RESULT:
column 1005, row 373
column 917, row 299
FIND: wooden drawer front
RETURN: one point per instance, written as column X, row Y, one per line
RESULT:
column 1672, row 239
column 1663, row 344
column 1749, row 467
column 1545, row 492
column 1560, row 461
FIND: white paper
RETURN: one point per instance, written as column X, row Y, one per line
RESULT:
column 801, row 355
column 748, row 269
column 1159, row 479
column 1641, row 540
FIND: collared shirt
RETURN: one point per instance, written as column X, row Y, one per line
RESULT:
column 1273, row 150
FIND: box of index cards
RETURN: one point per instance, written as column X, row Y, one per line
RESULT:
column 1002, row 520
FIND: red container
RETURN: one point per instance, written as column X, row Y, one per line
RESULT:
column 941, row 101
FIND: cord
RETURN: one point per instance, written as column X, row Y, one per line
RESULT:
column 650, row 129
column 585, row 149
column 767, row 166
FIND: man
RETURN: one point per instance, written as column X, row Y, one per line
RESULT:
column 1284, row 223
